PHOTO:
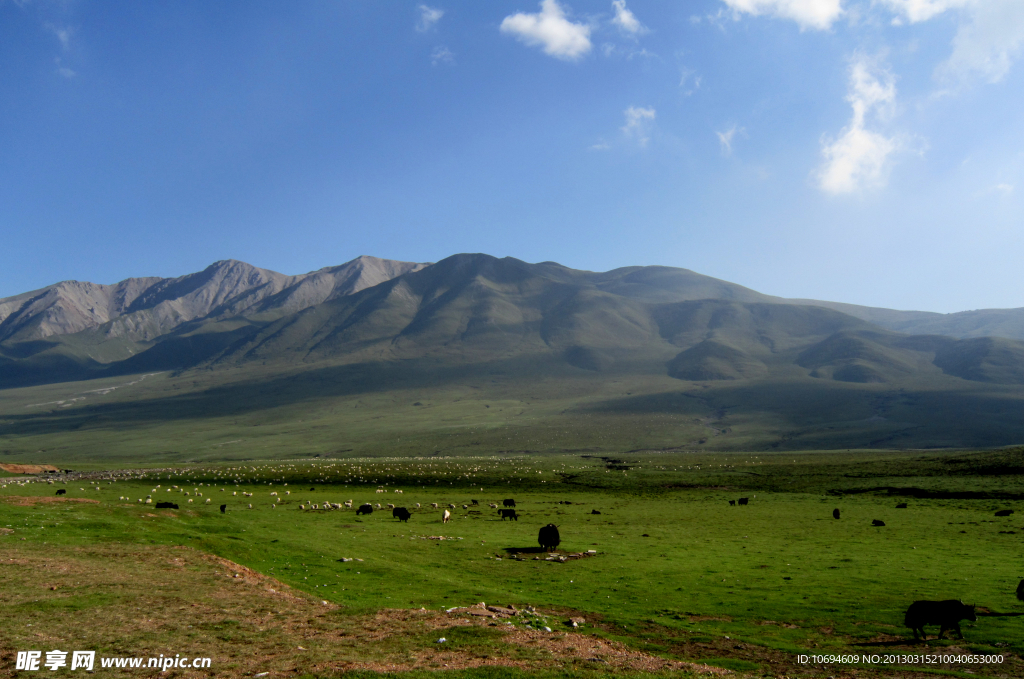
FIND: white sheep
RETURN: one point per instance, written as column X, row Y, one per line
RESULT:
column 446, row 517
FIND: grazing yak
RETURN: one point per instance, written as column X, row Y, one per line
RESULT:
column 835, row 513
column 594, row 511
column 365, row 509
column 877, row 522
column 1020, row 591
column 548, row 537
column 1004, row 512
column 223, row 509
column 401, row 513
column 61, row 491
column 508, row 503
column 902, row 505
column 166, row 505
column 732, row 503
column 508, row 514
column 743, row 500
column 946, row 614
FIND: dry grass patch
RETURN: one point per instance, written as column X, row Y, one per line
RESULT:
column 27, row 501
column 141, row 601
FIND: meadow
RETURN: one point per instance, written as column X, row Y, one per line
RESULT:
column 678, row 573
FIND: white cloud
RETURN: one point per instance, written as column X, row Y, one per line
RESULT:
column 857, row 159
column 550, row 30
column 428, row 17
column 819, row 14
column 441, row 55
column 638, row 124
column 988, row 43
column 626, row 20
column 725, row 139
column 922, row 10
column 990, row 35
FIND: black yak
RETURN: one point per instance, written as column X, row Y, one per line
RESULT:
column 877, row 522
column 732, row 503
column 508, row 514
column 902, row 505
column 223, row 508
column 61, row 491
column 1004, row 512
column 1020, row 591
column 835, row 513
column 743, row 500
column 365, row 509
column 946, row 614
column 508, row 503
column 548, row 537
column 166, row 505
column 401, row 513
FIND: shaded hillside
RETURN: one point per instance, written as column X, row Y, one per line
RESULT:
column 1007, row 323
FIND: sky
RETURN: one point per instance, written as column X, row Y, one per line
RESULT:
column 862, row 151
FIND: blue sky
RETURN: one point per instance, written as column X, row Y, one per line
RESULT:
column 866, row 151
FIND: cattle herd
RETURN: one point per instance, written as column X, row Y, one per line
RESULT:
column 945, row 614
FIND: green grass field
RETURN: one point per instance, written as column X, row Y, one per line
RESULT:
column 677, row 571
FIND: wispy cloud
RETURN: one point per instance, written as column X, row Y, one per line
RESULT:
column 638, row 124
column 64, row 71
column 550, row 30
column 429, row 16
column 441, row 55
column 816, row 14
column 689, row 81
column 922, row 10
column 990, row 35
column 857, row 158
column 63, row 34
column 725, row 139
column 988, row 43
column 626, row 20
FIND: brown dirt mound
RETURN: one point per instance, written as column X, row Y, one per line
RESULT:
column 28, row 468
column 27, row 501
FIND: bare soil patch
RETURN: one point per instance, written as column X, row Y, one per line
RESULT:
column 141, row 601
column 26, row 501
column 28, row 468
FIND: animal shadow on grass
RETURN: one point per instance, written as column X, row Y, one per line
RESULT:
column 525, row 550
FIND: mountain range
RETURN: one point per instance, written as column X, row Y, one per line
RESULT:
column 633, row 358
column 475, row 307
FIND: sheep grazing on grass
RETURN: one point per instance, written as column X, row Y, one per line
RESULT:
column 446, row 517
column 433, row 505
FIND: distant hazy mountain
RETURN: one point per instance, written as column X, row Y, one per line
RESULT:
column 475, row 308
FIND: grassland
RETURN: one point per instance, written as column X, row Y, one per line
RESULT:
column 395, row 409
column 678, row 573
